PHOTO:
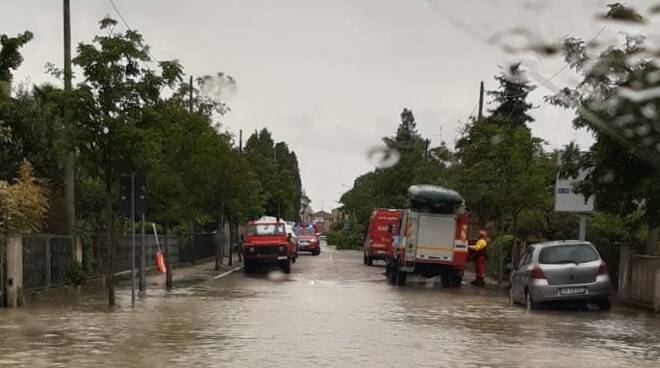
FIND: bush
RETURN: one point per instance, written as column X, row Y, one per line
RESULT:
column 75, row 274
column 344, row 239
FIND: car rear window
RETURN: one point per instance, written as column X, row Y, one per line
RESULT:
column 574, row 253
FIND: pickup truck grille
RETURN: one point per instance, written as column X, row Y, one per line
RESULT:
column 268, row 249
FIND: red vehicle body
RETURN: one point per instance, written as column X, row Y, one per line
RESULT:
column 383, row 224
column 266, row 243
column 308, row 240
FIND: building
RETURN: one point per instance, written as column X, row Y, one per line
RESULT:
column 323, row 220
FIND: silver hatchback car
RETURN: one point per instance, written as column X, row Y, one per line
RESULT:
column 569, row 270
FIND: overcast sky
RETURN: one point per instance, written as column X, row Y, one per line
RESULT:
column 331, row 77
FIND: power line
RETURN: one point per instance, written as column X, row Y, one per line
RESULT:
column 128, row 27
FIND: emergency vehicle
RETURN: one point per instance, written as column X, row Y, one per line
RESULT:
column 432, row 237
column 267, row 242
column 383, row 224
column 308, row 239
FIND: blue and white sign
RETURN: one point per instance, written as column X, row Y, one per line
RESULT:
column 566, row 200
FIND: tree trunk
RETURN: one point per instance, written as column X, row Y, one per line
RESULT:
column 232, row 236
column 652, row 240
column 109, row 231
column 514, row 250
column 219, row 254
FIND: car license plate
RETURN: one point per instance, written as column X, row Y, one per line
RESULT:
column 282, row 257
column 572, row 291
column 381, row 252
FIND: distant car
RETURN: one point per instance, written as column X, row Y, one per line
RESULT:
column 308, row 239
column 569, row 270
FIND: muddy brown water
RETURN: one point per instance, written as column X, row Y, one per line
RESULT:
column 331, row 311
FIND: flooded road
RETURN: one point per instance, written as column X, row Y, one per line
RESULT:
column 331, row 311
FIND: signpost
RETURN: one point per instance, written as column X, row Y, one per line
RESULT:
column 129, row 202
column 567, row 200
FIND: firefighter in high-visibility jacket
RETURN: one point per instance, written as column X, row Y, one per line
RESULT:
column 478, row 251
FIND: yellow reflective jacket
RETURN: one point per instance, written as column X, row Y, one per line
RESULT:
column 481, row 244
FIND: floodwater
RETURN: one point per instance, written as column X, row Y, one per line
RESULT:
column 331, row 311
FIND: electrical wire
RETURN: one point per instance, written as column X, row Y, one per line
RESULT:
column 128, row 27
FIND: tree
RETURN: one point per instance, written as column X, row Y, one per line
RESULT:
column 511, row 97
column 23, row 204
column 10, row 57
column 112, row 104
column 614, row 101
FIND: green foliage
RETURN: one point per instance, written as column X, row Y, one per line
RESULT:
column 75, row 274
column 23, row 204
column 387, row 187
column 612, row 102
column 511, row 98
column 10, row 57
column 276, row 168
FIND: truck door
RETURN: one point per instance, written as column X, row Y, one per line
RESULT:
column 435, row 239
column 409, row 228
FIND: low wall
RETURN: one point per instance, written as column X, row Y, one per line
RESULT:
column 639, row 279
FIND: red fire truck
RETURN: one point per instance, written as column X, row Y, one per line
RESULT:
column 383, row 223
column 266, row 242
column 432, row 239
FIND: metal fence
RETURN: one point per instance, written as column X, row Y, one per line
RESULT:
column 180, row 249
column 45, row 259
column 2, row 271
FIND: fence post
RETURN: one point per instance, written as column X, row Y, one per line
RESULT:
column 625, row 267
column 14, row 261
column 77, row 250
column 48, row 261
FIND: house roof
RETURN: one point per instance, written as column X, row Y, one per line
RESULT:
column 321, row 214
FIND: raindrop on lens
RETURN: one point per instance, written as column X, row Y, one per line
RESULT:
column 383, row 157
column 643, row 130
column 496, row 139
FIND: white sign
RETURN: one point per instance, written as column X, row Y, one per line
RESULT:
column 566, row 200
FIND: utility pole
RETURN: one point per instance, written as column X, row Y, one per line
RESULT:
column 190, row 98
column 240, row 140
column 143, row 263
column 133, row 239
column 481, row 101
column 69, row 160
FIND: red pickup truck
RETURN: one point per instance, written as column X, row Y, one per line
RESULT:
column 383, row 224
column 308, row 240
column 266, row 243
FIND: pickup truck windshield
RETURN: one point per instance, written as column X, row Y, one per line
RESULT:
column 266, row 229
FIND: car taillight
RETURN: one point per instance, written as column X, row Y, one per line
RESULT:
column 537, row 273
column 602, row 269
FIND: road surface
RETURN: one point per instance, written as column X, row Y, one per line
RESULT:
column 331, row 311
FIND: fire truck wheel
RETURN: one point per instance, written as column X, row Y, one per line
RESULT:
column 286, row 266
column 446, row 281
column 248, row 267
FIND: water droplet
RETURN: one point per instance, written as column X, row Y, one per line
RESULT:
column 496, row 139
column 643, row 130
column 647, row 142
column 383, row 157
column 106, row 130
column 607, row 177
column 657, row 146
column 629, row 133
column 649, row 111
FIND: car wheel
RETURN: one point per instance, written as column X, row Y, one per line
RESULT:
column 248, row 267
column 446, row 281
column 529, row 303
column 286, row 266
column 364, row 259
column 370, row 261
column 605, row 304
